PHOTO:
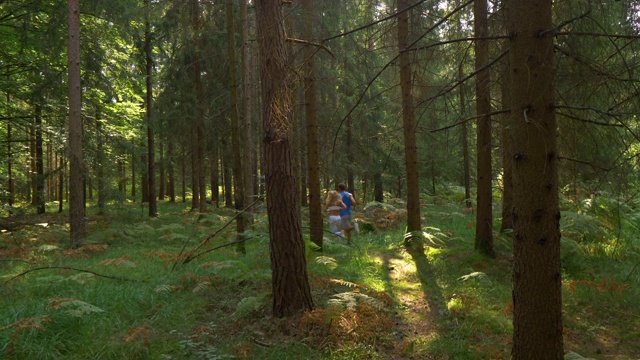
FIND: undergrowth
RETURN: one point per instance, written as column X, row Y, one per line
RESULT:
column 129, row 294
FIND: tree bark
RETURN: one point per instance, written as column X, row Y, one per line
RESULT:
column 77, row 227
column 408, row 124
column 235, row 128
column 484, row 215
column 537, row 295
column 38, row 195
column 290, row 283
column 151, row 173
column 247, row 112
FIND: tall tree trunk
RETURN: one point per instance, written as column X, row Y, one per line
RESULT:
column 153, row 207
column 183, row 174
column 227, row 180
column 161, row 170
column 133, row 170
column 63, row 169
column 38, row 195
column 378, row 193
column 215, row 176
column 313, row 146
column 290, row 283
column 100, row 159
column 77, row 229
column 247, row 113
column 10, row 184
column 409, row 125
column 171, row 173
column 144, row 177
column 537, row 281
column 466, row 174
column 507, row 160
column 235, row 128
column 201, row 201
column 195, row 167
column 484, row 215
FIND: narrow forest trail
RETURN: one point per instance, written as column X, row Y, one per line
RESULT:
column 418, row 302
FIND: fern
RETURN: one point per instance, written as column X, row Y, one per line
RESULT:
column 327, row 261
column 350, row 300
column 124, row 261
column 344, row 283
column 73, row 307
column 249, row 305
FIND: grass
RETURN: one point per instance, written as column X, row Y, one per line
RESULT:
column 124, row 296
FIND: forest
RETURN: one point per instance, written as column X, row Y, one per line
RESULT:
column 165, row 167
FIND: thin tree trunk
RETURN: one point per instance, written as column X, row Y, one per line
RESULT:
column 235, row 128
column 313, row 152
column 102, row 192
column 153, row 207
column 76, row 199
column 537, row 279
column 466, row 176
column 63, row 169
column 291, row 292
column 215, row 177
column 484, row 215
column 161, row 170
column 195, row 176
column 38, row 195
column 10, row 184
column 171, row 183
column 247, row 113
column 409, row 125
column 133, row 170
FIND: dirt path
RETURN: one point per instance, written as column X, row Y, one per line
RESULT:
column 418, row 303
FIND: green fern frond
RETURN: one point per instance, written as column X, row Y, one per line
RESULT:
column 124, row 261
column 74, row 307
column 249, row 305
column 164, row 288
column 47, row 247
column 349, row 301
column 327, row 261
column 473, row 275
column 344, row 283
column 201, row 286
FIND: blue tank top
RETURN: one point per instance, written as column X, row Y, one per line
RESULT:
column 346, row 199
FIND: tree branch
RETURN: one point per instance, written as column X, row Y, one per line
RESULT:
column 306, row 42
column 503, row 111
column 67, row 268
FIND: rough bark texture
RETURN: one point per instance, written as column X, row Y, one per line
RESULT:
column 409, row 124
column 537, row 300
column 484, row 215
column 290, row 284
column 313, row 163
column 76, row 196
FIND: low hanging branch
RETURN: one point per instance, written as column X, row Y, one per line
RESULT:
column 67, row 268
column 185, row 258
column 306, row 42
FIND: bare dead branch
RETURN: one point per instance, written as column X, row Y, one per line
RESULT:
column 67, row 268
column 373, row 23
column 503, row 111
column 185, row 258
column 584, row 163
column 311, row 43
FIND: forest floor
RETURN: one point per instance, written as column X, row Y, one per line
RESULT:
column 124, row 294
